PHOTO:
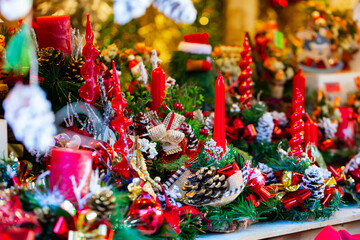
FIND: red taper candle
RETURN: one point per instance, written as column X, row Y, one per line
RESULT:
column 157, row 88
column 299, row 82
column 66, row 163
column 54, row 31
column 219, row 118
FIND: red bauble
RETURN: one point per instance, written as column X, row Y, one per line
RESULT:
column 102, row 150
column 149, row 213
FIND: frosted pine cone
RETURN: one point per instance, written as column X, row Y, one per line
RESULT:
column 270, row 177
column 189, row 134
column 314, row 181
column 265, row 128
column 329, row 128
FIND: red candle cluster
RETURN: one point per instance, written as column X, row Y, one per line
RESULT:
column 54, row 31
column 245, row 76
column 90, row 91
column 219, row 118
column 157, row 88
column 299, row 82
column 297, row 124
column 120, row 123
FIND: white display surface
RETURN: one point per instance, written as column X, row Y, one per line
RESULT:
column 334, row 84
column 280, row 228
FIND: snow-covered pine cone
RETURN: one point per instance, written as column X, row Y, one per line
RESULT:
column 328, row 127
column 314, row 181
column 270, row 177
column 140, row 124
column 192, row 141
column 265, row 128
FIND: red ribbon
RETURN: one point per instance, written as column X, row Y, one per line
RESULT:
column 337, row 174
column 256, row 183
column 250, row 132
column 233, row 127
column 293, row 199
column 229, row 169
column 326, row 144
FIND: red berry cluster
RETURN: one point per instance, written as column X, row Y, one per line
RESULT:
column 189, row 115
column 205, row 132
column 178, row 106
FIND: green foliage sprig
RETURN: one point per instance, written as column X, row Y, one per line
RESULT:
column 252, row 115
column 139, row 99
column 189, row 97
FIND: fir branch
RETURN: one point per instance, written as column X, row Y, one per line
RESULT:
column 189, row 97
column 139, row 99
column 252, row 115
column 288, row 163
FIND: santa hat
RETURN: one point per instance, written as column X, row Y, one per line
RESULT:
column 196, row 43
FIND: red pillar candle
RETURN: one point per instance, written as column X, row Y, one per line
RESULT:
column 219, row 118
column 66, row 163
column 54, row 31
column 157, row 88
column 299, row 82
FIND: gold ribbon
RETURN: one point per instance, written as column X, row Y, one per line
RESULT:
column 286, row 185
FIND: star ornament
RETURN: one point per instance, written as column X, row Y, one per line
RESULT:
column 348, row 132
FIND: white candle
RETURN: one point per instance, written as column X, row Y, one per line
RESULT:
column 3, row 139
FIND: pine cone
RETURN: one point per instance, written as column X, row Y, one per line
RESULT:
column 73, row 70
column 140, row 124
column 44, row 214
column 270, row 177
column 204, row 186
column 103, row 203
column 49, row 56
column 265, row 128
column 192, row 141
column 314, row 181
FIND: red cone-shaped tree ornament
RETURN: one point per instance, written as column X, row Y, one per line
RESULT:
column 120, row 123
column 297, row 124
column 90, row 91
column 245, row 76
